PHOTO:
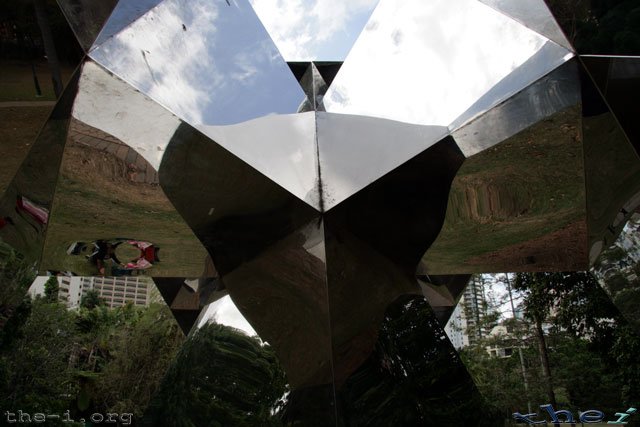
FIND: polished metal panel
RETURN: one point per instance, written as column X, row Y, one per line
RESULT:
column 555, row 92
column 109, row 104
column 519, row 205
column 230, row 71
column 282, row 147
column 314, row 87
column 27, row 200
column 442, row 292
column 355, row 151
column 188, row 299
column 612, row 170
column 411, row 65
column 124, row 14
column 110, row 216
column 233, row 209
column 533, row 14
column 87, row 17
column 19, row 126
column 282, row 293
column 409, row 209
column 393, row 364
column 504, row 92
column 618, row 80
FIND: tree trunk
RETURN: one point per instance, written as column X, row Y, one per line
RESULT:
column 544, row 361
column 49, row 46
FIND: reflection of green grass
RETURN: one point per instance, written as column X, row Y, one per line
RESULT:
column 85, row 211
column 16, row 81
column 525, row 187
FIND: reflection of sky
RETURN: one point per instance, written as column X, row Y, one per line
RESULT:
column 225, row 312
column 497, row 293
column 125, row 12
column 114, row 107
column 321, row 30
column 207, row 62
column 425, row 62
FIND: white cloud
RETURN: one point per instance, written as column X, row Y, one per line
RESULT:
column 313, row 29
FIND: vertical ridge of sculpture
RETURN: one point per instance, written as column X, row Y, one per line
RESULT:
column 87, row 18
column 28, row 198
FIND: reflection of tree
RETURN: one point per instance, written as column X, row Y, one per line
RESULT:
column 600, row 26
column 221, row 377
column 413, row 377
column 16, row 275
column 582, row 309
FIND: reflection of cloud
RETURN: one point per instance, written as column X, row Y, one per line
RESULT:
column 138, row 53
column 207, row 63
column 225, row 312
column 426, row 62
column 313, row 29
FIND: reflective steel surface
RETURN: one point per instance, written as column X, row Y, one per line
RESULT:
column 533, row 14
column 409, row 66
column 232, row 72
column 520, row 204
column 87, row 18
column 311, row 225
column 27, row 200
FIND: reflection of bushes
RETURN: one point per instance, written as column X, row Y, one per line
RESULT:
column 221, row 377
column 16, row 275
column 628, row 301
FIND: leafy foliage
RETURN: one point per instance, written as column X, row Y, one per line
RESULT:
column 221, row 377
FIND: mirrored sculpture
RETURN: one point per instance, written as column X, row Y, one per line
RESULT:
column 336, row 208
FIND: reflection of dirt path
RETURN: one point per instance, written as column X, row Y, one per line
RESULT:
column 561, row 250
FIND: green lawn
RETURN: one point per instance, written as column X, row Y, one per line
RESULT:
column 523, row 189
column 16, row 80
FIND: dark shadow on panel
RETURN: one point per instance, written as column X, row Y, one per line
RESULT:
column 401, row 214
column 235, row 211
column 187, row 298
column 618, row 80
column 612, row 171
column 26, row 203
column 443, row 292
column 601, row 28
column 283, row 294
column 412, row 377
column 86, row 18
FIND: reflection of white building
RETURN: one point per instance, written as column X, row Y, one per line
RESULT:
column 456, row 328
column 115, row 291
column 623, row 255
column 504, row 343
column 465, row 324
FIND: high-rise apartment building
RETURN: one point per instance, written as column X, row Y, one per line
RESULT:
column 115, row 291
column 465, row 326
